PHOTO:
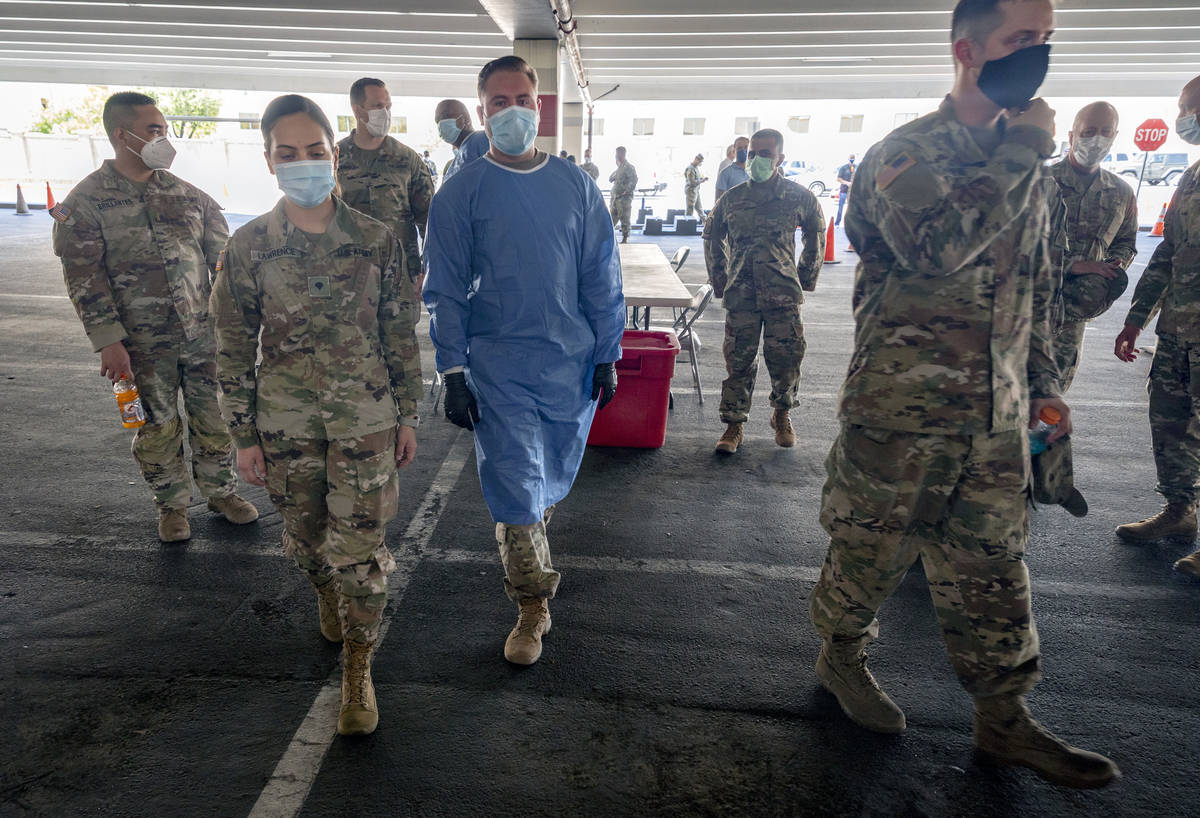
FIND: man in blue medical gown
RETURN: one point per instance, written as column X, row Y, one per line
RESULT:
column 523, row 283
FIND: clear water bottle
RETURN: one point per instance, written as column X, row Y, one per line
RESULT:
column 1048, row 420
column 129, row 400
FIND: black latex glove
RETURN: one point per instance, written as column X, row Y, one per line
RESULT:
column 461, row 409
column 604, row 384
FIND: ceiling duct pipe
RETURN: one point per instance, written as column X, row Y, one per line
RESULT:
column 566, row 31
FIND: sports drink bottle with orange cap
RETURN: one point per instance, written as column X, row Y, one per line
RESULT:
column 1048, row 420
column 129, row 400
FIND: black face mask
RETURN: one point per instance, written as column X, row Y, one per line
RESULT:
column 1013, row 81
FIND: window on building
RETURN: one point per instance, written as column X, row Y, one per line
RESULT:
column 745, row 125
column 399, row 124
column 345, row 124
column 643, row 126
column 852, row 123
column 798, row 124
column 249, row 122
column 597, row 127
column 901, row 119
column 693, row 126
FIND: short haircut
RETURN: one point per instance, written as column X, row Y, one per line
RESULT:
column 976, row 19
column 621, row 149
column 510, row 62
column 287, row 105
column 358, row 91
column 118, row 110
column 770, row 133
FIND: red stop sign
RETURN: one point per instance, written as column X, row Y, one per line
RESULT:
column 1151, row 135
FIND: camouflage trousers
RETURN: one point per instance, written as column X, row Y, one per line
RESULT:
column 336, row 498
column 957, row 503
column 783, row 346
column 163, row 368
column 620, row 209
column 1175, row 417
column 692, row 204
column 525, row 554
column 1068, row 342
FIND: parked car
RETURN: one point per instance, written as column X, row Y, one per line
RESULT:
column 1124, row 164
column 809, row 175
column 1165, row 168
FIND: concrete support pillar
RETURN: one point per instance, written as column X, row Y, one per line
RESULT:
column 543, row 56
column 574, row 124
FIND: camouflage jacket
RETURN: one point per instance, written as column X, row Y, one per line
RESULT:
column 624, row 181
column 954, row 286
column 134, row 261
column 591, row 170
column 339, row 352
column 759, row 222
column 392, row 185
column 1101, row 216
column 1172, row 278
column 692, row 178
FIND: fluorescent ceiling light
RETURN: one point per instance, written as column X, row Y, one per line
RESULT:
column 303, row 55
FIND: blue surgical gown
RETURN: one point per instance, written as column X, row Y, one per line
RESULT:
column 473, row 147
column 523, row 286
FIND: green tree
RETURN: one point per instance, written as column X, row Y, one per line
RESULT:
column 83, row 117
column 189, row 102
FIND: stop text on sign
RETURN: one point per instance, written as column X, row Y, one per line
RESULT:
column 1151, row 134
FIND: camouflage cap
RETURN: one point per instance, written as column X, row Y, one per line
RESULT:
column 1054, row 478
column 1088, row 296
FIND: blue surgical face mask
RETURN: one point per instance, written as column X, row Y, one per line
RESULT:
column 514, row 129
column 306, row 183
column 448, row 130
column 1188, row 129
column 741, row 156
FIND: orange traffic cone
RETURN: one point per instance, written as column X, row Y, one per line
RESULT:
column 829, row 258
column 49, row 197
column 22, row 205
column 1161, row 223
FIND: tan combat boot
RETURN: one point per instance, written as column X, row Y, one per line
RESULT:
column 328, row 598
column 234, row 509
column 842, row 670
column 1007, row 735
column 173, row 525
column 785, row 435
column 1189, row 564
column 524, row 644
column 1176, row 521
column 360, row 714
column 729, row 442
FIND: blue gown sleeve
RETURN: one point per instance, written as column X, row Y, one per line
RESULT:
column 449, row 248
column 600, row 295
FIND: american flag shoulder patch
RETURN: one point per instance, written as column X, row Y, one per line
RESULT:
column 221, row 261
column 893, row 170
column 60, row 212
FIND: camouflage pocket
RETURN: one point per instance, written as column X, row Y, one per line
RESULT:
column 277, row 481
column 378, row 486
column 858, row 495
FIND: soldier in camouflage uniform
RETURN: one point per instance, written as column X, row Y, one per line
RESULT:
column 384, row 178
column 624, row 184
column 750, row 250
column 691, row 188
column 952, row 303
column 1171, row 283
column 137, row 244
column 1101, row 225
column 589, row 167
column 331, row 411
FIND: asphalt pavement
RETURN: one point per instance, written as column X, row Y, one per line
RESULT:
column 140, row 679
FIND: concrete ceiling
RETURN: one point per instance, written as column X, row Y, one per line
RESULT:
column 673, row 49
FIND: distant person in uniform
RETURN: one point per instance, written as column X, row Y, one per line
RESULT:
column 589, row 167
column 320, row 377
column 1171, row 283
column 735, row 173
column 138, row 245
column 384, row 178
column 526, row 314
column 845, row 176
column 750, row 250
column 1101, row 222
column 433, row 169
column 455, row 129
column 624, row 185
column 953, row 361
column 692, row 179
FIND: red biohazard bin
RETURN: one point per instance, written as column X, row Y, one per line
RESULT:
column 637, row 416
